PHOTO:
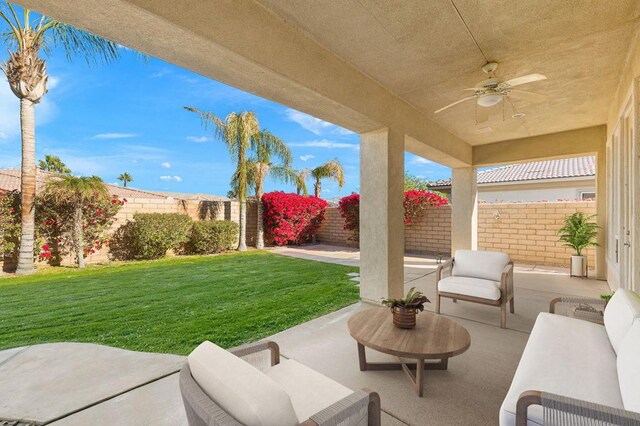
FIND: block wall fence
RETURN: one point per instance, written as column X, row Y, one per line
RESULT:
column 527, row 231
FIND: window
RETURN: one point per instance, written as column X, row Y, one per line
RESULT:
column 587, row 195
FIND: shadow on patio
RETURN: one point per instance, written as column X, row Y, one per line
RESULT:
column 139, row 389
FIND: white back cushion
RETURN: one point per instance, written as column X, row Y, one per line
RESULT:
column 619, row 314
column 629, row 368
column 480, row 264
column 239, row 388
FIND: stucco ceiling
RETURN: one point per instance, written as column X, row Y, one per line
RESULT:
column 422, row 51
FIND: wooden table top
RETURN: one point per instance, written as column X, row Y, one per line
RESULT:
column 434, row 337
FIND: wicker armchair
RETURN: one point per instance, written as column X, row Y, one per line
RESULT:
column 359, row 408
column 562, row 410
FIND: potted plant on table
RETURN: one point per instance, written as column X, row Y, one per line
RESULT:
column 405, row 310
column 579, row 232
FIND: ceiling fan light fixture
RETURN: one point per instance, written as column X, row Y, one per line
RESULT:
column 489, row 100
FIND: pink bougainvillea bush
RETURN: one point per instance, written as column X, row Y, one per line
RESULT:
column 53, row 226
column 415, row 201
column 349, row 207
column 291, row 218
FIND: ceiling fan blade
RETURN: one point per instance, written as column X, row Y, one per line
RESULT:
column 482, row 114
column 528, row 96
column 525, row 79
column 454, row 104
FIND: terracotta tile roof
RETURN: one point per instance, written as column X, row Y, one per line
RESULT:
column 198, row 196
column 565, row 168
column 10, row 181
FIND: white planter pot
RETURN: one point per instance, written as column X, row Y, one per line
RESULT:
column 579, row 266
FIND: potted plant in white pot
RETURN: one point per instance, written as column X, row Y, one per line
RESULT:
column 579, row 232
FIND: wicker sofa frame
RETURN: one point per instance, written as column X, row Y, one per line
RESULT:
column 506, row 291
column 203, row 411
column 562, row 410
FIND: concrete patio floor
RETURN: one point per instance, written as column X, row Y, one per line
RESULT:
column 78, row 384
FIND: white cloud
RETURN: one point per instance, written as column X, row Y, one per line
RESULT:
column 166, row 165
column 114, row 136
column 419, row 160
column 161, row 73
column 177, row 178
column 197, row 139
column 324, row 143
column 315, row 125
column 171, row 178
column 307, row 157
column 53, row 82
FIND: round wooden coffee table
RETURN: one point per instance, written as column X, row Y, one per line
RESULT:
column 434, row 338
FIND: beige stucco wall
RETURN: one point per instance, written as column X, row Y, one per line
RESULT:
column 527, row 231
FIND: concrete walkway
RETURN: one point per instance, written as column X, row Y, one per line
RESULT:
column 84, row 384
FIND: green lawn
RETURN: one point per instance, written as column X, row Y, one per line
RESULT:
column 172, row 305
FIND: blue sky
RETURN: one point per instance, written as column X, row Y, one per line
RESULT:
column 127, row 116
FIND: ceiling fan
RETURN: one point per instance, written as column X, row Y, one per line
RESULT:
column 493, row 90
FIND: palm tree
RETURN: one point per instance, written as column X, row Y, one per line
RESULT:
column 266, row 145
column 300, row 180
column 236, row 132
column 125, row 178
column 329, row 170
column 51, row 163
column 76, row 192
column 27, row 76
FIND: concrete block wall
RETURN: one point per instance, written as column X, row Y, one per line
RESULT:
column 527, row 231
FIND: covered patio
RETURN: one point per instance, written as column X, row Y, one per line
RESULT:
column 382, row 71
column 135, row 388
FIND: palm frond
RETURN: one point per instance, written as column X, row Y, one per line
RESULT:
column 14, row 36
column 77, row 42
column 330, row 170
column 265, row 144
column 77, row 190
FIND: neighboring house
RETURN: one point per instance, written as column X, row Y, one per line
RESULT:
column 10, row 181
column 565, row 179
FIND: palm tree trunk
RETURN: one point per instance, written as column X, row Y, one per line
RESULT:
column 242, row 243
column 318, row 188
column 259, row 225
column 78, row 235
column 27, row 186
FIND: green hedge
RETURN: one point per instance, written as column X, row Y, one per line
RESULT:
column 151, row 235
column 213, row 236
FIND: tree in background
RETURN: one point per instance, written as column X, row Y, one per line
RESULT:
column 125, row 178
column 415, row 183
column 300, row 180
column 330, row 170
column 266, row 145
column 51, row 163
column 236, row 132
column 27, row 76
column 76, row 192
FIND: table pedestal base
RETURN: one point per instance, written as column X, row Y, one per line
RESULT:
column 413, row 370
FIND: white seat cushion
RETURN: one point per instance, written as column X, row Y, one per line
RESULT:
column 629, row 368
column 480, row 264
column 565, row 356
column 475, row 287
column 621, row 311
column 310, row 391
column 239, row 388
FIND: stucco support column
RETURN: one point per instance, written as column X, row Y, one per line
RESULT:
column 381, row 215
column 464, row 209
column 601, row 214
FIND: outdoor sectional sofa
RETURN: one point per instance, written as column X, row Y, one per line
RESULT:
column 577, row 372
column 252, row 386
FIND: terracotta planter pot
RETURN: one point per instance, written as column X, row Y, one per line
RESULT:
column 404, row 317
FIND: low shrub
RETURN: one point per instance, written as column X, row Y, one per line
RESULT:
column 150, row 235
column 212, row 236
column 291, row 218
